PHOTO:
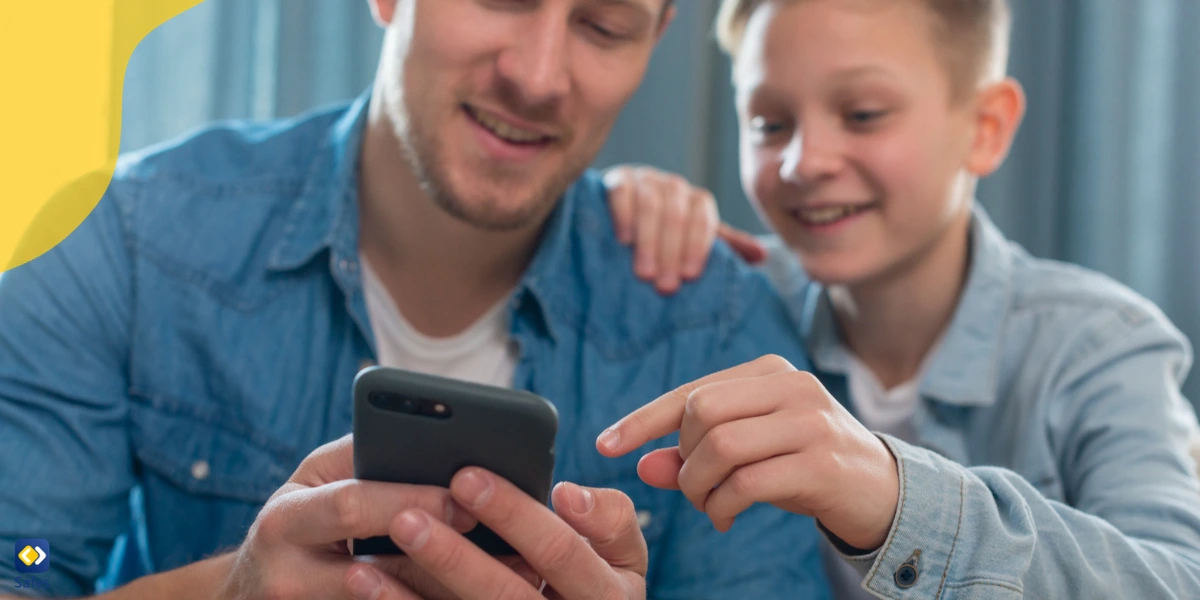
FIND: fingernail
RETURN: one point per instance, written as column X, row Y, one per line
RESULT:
column 526, row 572
column 723, row 525
column 411, row 530
column 580, row 499
column 456, row 518
column 610, row 439
column 472, row 489
column 364, row 584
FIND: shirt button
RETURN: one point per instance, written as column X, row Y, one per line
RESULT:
column 644, row 518
column 200, row 470
column 906, row 574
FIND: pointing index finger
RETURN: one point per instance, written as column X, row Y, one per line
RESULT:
column 664, row 415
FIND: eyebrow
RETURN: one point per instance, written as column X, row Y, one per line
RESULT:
column 855, row 72
column 640, row 5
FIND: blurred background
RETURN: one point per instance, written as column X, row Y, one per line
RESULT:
column 1105, row 172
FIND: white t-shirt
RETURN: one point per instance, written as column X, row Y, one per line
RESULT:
column 885, row 411
column 484, row 353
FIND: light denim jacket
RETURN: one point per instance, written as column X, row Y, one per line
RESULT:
column 197, row 337
column 1052, row 439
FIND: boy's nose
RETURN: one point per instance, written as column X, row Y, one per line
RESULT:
column 808, row 160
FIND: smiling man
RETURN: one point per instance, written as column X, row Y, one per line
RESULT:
column 196, row 338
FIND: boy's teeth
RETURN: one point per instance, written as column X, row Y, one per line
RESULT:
column 505, row 131
column 829, row 214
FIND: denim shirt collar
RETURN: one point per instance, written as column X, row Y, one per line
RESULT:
column 965, row 369
column 325, row 216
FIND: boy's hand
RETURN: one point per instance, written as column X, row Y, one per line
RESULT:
column 671, row 225
column 592, row 547
column 765, row 432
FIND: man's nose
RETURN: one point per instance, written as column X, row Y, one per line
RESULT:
column 537, row 64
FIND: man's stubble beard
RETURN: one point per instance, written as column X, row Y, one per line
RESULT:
column 424, row 154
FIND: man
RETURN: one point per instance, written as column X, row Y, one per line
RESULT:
column 197, row 337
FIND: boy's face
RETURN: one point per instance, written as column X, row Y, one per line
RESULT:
column 501, row 104
column 850, row 143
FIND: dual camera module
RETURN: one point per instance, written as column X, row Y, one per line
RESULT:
column 424, row 407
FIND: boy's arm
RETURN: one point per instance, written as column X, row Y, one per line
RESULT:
column 1132, row 529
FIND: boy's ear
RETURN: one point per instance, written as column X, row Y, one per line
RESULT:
column 999, row 110
column 383, row 11
column 665, row 21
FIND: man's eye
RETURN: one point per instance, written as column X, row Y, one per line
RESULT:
column 604, row 32
column 601, row 30
column 511, row 4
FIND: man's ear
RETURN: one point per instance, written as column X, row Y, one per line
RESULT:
column 1000, row 109
column 383, row 11
column 665, row 21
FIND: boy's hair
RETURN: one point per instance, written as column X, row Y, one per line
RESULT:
column 973, row 35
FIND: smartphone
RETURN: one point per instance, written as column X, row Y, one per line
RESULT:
column 422, row 429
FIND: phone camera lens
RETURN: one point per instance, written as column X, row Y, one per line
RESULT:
column 411, row 406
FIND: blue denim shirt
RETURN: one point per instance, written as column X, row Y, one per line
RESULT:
column 1051, row 458
column 198, row 335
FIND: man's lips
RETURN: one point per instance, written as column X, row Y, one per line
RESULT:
column 508, row 129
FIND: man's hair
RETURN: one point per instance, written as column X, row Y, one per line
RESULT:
column 973, row 35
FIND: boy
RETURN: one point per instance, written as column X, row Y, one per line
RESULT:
column 1017, row 425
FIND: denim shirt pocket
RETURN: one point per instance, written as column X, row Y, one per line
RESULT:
column 204, row 478
column 203, row 453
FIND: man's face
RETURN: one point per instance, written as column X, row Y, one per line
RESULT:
column 501, row 104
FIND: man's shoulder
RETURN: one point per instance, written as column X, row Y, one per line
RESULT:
column 206, row 206
column 227, row 170
column 232, row 154
column 728, row 297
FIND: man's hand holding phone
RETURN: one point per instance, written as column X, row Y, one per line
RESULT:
column 592, row 547
column 296, row 548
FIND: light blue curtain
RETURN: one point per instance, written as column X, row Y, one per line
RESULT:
column 1105, row 172
column 234, row 59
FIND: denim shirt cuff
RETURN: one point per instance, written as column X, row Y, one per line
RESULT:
column 915, row 558
column 861, row 561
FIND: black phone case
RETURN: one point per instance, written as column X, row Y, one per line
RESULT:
column 508, row 432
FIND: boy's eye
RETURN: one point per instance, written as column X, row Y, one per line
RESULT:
column 764, row 127
column 860, row 118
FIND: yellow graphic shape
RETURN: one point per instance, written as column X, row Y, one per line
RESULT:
column 63, row 70
column 28, row 555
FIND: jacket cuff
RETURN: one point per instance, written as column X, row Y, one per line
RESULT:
column 915, row 557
